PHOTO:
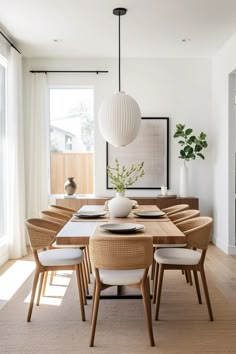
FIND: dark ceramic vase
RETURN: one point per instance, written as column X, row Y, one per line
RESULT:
column 70, row 186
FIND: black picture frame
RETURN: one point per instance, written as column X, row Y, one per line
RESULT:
column 154, row 133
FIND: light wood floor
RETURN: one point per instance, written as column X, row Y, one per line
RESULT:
column 184, row 327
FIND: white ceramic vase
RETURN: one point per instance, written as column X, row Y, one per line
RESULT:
column 120, row 206
column 183, row 183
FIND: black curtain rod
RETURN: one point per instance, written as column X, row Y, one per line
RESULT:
column 10, row 42
column 69, row 71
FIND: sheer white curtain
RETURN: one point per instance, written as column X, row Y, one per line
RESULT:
column 15, row 181
column 37, row 147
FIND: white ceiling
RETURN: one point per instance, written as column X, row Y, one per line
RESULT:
column 87, row 28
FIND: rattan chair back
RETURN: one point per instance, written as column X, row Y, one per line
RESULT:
column 184, row 215
column 175, row 209
column 121, row 252
column 56, row 217
column 197, row 231
column 62, row 210
column 41, row 232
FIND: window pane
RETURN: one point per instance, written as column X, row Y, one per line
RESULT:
column 2, row 151
column 72, row 138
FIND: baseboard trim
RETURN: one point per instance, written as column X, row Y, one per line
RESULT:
column 227, row 249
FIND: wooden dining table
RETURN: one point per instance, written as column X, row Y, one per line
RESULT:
column 78, row 231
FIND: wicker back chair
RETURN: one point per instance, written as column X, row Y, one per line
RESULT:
column 175, row 209
column 62, row 220
column 121, row 260
column 198, row 233
column 56, row 217
column 41, row 234
column 184, row 215
column 175, row 218
column 62, row 210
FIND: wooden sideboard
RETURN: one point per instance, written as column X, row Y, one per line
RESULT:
column 161, row 202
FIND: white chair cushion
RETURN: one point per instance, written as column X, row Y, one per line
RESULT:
column 180, row 256
column 61, row 257
column 168, row 245
column 67, row 246
column 121, row 277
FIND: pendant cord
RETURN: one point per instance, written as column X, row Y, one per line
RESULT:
column 119, row 57
column 120, row 11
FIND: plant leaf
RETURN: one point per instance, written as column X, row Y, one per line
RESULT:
column 200, row 155
column 188, row 131
column 202, row 136
column 181, row 142
column 188, row 149
column 198, row 148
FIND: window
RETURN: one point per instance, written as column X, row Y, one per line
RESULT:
column 68, row 142
column 2, row 147
column 72, row 138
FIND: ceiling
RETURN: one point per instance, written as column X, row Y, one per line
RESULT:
column 87, row 28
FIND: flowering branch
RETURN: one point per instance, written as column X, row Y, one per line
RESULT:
column 122, row 178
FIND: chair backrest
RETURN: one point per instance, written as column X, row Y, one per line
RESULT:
column 41, row 232
column 61, row 210
column 184, row 215
column 175, row 209
column 197, row 231
column 121, row 252
column 56, row 217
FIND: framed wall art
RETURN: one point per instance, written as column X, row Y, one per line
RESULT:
column 151, row 146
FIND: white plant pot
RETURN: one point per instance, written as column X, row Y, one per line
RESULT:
column 120, row 206
column 183, row 185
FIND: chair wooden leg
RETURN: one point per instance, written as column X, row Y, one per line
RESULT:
column 190, row 277
column 95, row 315
column 79, row 283
column 94, row 294
column 155, row 280
column 35, row 282
column 44, row 283
column 85, row 278
column 153, row 265
column 204, row 283
column 86, row 267
column 40, row 288
column 147, row 308
column 197, row 287
column 159, row 288
column 53, row 273
column 87, row 261
column 186, row 276
column 82, row 285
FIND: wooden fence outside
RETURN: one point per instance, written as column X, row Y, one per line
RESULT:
column 77, row 165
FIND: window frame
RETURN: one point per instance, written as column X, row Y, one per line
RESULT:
column 69, row 86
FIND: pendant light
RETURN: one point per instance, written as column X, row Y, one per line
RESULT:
column 119, row 115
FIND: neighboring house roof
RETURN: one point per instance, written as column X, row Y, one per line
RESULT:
column 61, row 130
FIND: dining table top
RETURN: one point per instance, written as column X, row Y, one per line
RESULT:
column 77, row 231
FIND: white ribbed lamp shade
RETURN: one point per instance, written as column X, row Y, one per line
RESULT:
column 119, row 119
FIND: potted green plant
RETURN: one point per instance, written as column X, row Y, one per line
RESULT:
column 192, row 146
column 121, row 178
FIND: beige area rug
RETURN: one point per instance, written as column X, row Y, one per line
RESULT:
column 183, row 326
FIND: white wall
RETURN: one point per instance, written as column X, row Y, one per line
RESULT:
column 176, row 88
column 224, row 131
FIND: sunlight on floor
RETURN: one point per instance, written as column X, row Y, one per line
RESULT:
column 15, row 276
column 12, row 279
column 54, row 293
